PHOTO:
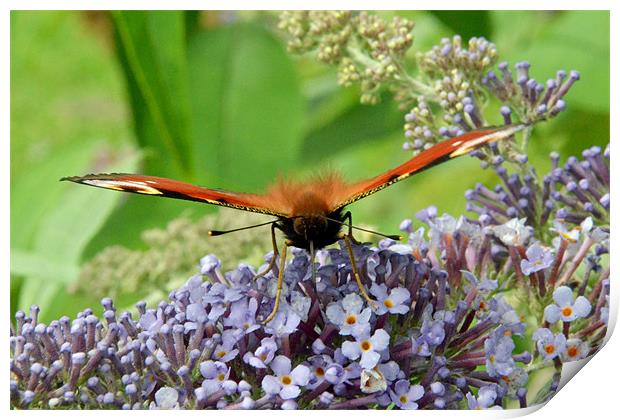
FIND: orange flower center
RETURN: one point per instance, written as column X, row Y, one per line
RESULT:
column 351, row 320
column 403, row 399
column 366, row 345
column 572, row 351
column 549, row 348
column 221, row 377
column 388, row 303
column 221, row 354
column 319, row 371
column 286, row 380
column 568, row 311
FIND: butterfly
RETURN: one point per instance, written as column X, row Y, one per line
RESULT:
column 310, row 214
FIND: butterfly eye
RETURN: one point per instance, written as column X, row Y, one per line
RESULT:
column 299, row 225
column 310, row 226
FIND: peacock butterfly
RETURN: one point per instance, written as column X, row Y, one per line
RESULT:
column 311, row 214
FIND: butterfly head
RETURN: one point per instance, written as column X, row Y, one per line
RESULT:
column 309, row 226
column 315, row 229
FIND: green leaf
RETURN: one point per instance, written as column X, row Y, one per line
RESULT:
column 137, row 214
column 571, row 40
column 514, row 30
column 26, row 263
column 467, row 23
column 74, row 98
column 152, row 50
column 37, row 192
column 357, row 124
column 63, row 233
column 247, row 106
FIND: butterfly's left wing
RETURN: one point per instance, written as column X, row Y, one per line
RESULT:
column 441, row 152
column 164, row 187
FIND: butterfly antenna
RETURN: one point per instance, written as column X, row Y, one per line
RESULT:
column 223, row 232
column 394, row 237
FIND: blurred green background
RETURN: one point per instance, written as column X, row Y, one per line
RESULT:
column 214, row 98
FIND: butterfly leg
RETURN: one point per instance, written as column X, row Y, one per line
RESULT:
column 273, row 257
column 356, row 274
column 279, row 285
column 347, row 215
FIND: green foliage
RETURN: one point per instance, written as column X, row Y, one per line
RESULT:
column 467, row 23
column 552, row 41
column 170, row 258
column 63, row 233
column 218, row 101
column 151, row 47
column 247, row 107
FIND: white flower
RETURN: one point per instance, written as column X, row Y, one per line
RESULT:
column 549, row 345
column 367, row 347
column 372, row 380
column 575, row 350
column 440, row 226
column 349, row 316
column 392, row 303
column 572, row 235
column 565, row 307
column 300, row 304
column 513, row 232
column 286, row 383
column 167, row 398
column 416, row 239
column 284, row 323
column 402, row 249
column 466, row 228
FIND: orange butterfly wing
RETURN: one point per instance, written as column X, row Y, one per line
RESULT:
column 438, row 153
column 282, row 199
column 164, row 187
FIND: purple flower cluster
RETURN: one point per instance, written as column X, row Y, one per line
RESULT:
column 539, row 100
column 472, row 59
column 460, row 76
column 325, row 348
column 571, row 193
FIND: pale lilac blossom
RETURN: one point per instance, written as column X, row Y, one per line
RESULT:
column 285, row 382
column 538, row 259
column 263, row 355
column 349, row 315
column 395, row 302
column 367, row 347
column 405, row 395
column 548, row 344
column 566, row 308
column 576, row 349
column 485, row 399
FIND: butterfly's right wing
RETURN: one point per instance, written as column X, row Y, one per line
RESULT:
column 164, row 187
column 441, row 152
